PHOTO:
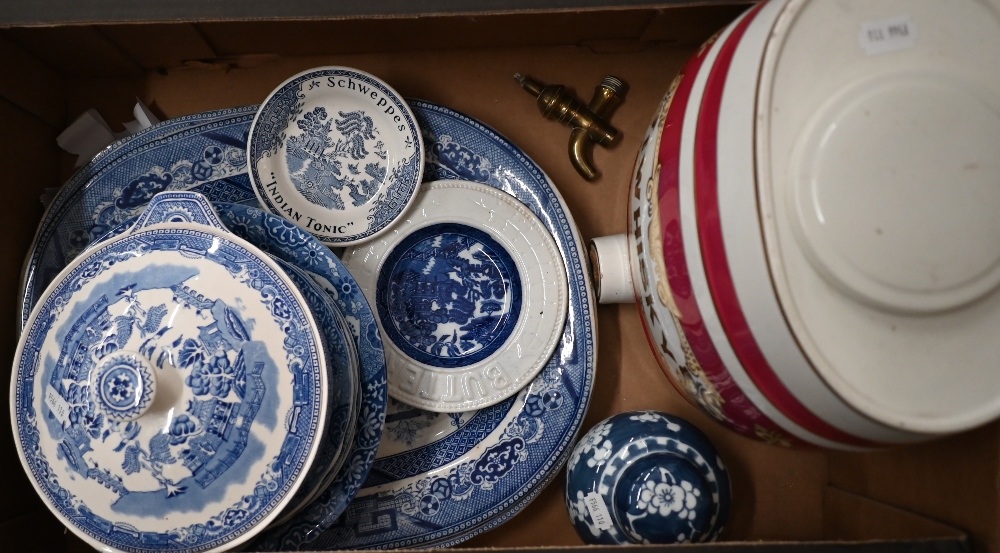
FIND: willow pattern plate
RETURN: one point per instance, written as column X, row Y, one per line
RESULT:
column 204, row 152
column 337, row 151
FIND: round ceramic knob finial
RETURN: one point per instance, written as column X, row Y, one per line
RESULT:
column 646, row 477
column 123, row 386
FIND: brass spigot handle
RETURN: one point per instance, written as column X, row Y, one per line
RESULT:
column 588, row 122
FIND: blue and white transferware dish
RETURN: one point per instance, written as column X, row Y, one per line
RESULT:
column 646, row 477
column 287, row 241
column 284, row 240
column 338, row 152
column 344, row 397
column 470, row 293
column 457, row 147
column 341, row 467
column 204, row 152
column 439, row 478
column 352, row 354
column 169, row 391
column 341, row 397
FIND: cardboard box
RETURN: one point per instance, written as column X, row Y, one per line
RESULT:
column 940, row 496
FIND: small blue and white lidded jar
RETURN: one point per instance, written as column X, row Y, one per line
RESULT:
column 646, row 477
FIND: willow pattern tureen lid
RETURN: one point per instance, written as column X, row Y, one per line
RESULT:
column 168, row 391
column 336, row 151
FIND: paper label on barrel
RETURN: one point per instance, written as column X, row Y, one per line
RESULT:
column 57, row 404
column 598, row 511
column 888, row 35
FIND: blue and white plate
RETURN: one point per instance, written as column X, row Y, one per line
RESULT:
column 470, row 293
column 349, row 451
column 286, row 241
column 342, row 395
column 338, row 152
column 441, row 478
column 205, row 153
column 352, row 353
column 148, row 399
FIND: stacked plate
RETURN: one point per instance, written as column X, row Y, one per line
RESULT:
column 184, row 312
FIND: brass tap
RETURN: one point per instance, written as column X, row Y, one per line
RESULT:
column 589, row 123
